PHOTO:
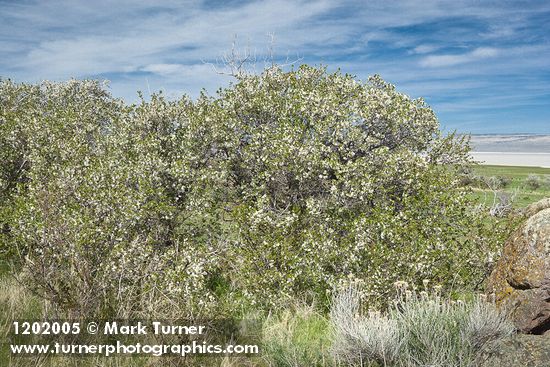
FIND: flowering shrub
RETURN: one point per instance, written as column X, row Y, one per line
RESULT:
column 93, row 217
column 333, row 178
column 282, row 185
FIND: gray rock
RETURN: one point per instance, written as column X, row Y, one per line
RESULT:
column 518, row 350
column 520, row 281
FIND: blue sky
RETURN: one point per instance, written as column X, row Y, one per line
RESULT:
column 484, row 66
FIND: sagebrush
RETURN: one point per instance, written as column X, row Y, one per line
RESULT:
column 419, row 329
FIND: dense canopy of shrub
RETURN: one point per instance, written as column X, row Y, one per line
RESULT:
column 284, row 184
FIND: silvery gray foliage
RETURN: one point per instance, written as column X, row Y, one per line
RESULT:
column 373, row 340
column 419, row 329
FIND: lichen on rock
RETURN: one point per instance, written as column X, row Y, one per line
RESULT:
column 520, row 281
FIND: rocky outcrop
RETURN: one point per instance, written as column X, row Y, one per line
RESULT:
column 517, row 351
column 520, row 281
column 534, row 208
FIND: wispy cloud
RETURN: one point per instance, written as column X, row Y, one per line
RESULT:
column 164, row 69
column 424, row 49
column 461, row 56
column 450, row 60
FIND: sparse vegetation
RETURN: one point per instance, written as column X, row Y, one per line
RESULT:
column 535, row 182
column 299, row 336
column 518, row 183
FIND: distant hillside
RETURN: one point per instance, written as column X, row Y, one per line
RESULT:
column 511, row 143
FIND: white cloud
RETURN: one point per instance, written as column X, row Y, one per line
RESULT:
column 450, row 60
column 165, row 44
column 424, row 49
column 140, row 35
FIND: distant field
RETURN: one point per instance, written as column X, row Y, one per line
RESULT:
column 517, row 177
column 513, row 159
